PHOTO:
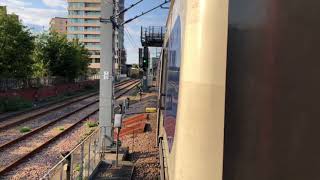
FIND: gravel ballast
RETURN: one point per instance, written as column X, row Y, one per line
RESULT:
column 143, row 151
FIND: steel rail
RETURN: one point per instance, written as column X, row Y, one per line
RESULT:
column 123, row 82
column 11, row 115
column 5, row 126
column 17, row 140
column 14, row 164
column 127, row 90
column 14, row 141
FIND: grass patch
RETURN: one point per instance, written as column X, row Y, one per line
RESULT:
column 77, row 168
column 92, row 124
column 25, row 129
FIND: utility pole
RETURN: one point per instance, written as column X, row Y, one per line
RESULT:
column 107, row 77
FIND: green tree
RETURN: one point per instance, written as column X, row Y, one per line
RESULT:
column 16, row 46
column 68, row 59
column 40, row 68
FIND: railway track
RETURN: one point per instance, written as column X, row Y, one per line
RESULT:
column 13, row 121
column 28, row 111
column 48, row 133
column 123, row 82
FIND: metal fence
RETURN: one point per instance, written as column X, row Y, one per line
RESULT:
column 8, row 84
column 80, row 162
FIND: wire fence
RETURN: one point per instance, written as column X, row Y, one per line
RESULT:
column 80, row 162
column 9, row 84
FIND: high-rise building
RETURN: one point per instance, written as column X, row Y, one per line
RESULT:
column 59, row 25
column 84, row 24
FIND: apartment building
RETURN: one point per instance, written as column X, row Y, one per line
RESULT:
column 59, row 25
column 84, row 24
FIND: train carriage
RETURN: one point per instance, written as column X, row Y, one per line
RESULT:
column 190, row 78
column 238, row 96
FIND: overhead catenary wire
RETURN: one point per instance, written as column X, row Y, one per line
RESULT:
column 133, row 45
column 144, row 13
column 112, row 18
column 130, row 37
column 130, row 42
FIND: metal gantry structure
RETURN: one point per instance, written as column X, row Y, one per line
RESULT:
column 152, row 36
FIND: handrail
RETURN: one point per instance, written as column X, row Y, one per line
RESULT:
column 162, row 171
column 69, row 154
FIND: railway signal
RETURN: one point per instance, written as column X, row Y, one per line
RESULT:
column 145, row 64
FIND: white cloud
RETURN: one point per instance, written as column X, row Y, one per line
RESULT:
column 15, row 3
column 30, row 15
column 55, row 3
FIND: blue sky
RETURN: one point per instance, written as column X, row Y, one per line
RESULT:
column 36, row 14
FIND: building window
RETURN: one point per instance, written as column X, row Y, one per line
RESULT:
column 75, row 36
column 92, row 36
column 76, row 12
column 92, row 21
column 76, row 4
column 92, row 13
column 76, row 20
column 92, row 45
column 75, row 28
column 90, row 28
column 94, row 52
column 97, row 60
column 92, row 5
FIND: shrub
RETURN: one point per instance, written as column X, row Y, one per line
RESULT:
column 92, row 124
column 14, row 104
column 89, row 87
column 69, row 93
column 77, row 168
column 25, row 129
column 2, row 109
column 61, row 128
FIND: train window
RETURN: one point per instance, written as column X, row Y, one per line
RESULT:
column 164, row 75
column 172, row 77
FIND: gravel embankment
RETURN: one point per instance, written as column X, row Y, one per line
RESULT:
column 14, row 132
column 144, row 153
column 37, row 111
column 38, row 165
column 18, row 150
